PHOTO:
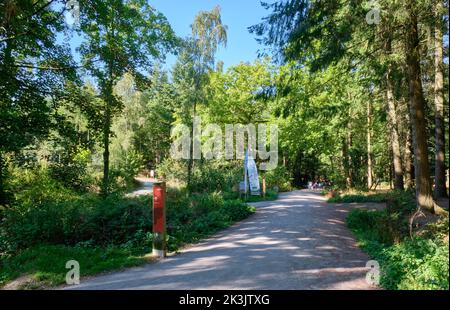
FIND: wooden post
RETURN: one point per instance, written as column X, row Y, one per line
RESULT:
column 159, row 219
column 264, row 186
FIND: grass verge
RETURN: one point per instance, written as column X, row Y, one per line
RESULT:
column 418, row 263
column 103, row 235
column 46, row 264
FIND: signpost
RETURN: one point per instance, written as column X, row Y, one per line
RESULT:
column 245, row 173
column 250, row 176
column 159, row 219
column 253, row 176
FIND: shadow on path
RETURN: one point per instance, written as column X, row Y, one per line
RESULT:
column 296, row 242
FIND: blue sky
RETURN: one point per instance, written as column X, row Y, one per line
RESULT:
column 238, row 15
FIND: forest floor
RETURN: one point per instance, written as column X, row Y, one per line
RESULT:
column 298, row 241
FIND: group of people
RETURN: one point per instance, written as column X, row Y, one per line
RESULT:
column 319, row 183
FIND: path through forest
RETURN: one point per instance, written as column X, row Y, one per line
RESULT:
column 296, row 242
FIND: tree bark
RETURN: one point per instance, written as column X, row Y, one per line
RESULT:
column 2, row 188
column 440, row 190
column 369, row 145
column 417, row 110
column 408, row 155
column 109, row 102
column 191, row 150
column 393, row 124
column 106, row 134
column 348, row 159
column 345, row 166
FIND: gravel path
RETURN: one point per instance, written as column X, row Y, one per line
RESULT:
column 296, row 242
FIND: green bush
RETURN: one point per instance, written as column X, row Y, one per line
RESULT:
column 124, row 169
column 217, row 176
column 71, row 170
column 191, row 219
column 358, row 198
column 36, row 187
column 89, row 217
column 172, row 170
column 417, row 263
column 116, row 220
column 279, row 178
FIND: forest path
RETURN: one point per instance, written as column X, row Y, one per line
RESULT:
column 298, row 241
column 145, row 188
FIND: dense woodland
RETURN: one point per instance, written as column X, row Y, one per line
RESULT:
column 361, row 100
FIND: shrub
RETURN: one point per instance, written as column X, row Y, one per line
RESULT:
column 124, row 169
column 217, row 176
column 103, row 221
column 172, row 170
column 417, row 263
column 36, row 187
column 71, row 171
column 190, row 219
column 89, row 219
column 279, row 178
column 358, row 198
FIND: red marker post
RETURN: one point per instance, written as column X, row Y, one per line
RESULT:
column 159, row 219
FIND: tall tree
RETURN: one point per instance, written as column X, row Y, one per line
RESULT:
column 417, row 109
column 208, row 33
column 393, row 117
column 439, row 174
column 369, row 145
column 120, row 36
column 33, row 70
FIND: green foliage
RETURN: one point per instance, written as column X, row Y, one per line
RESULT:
column 380, row 197
column 87, row 218
column 35, row 187
column 380, row 226
column 125, row 169
column 391, row 224
column 238, row 96
column 72, row 172
column 207, row 176
column 216, row 176
column 279, row 178
column 172, row 170
column 29, row 47
column 399, row 200
column 46, row 264
column 418, row 263
column 191, row 219
column 90, row 219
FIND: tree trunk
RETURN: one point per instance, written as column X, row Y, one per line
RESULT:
column 393, row 124
column 417, row 110
column 408, row 155
column 348, row 159
column 440, row 190
column 369, row 145
column 191, row 149
column 106, row 134
column 345, row 167
column 2, row 188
